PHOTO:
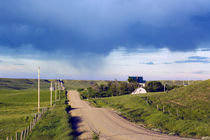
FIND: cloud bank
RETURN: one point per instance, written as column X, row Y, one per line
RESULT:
column 87, row 36
column 100, row 26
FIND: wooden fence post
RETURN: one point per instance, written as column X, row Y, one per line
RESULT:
column 16, row 136
column 177, row 112
column 27, row 130
column 21, row 135
column 24, row 134
column 169, row 112
column 7, row 138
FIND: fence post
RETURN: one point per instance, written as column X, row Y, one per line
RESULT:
column 157, row 107
column 24, row 133
column 27, row 130
column 169, row 112
column 177, row 112
column 21, row 135
column 30, row 126
column 16, row 136
column 7, row 138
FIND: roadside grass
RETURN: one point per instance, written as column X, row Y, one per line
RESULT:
column 17, row 109
column 54, row 125
column 95, row 136
column 184, row 111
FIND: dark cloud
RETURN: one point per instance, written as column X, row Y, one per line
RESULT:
column 89, row 26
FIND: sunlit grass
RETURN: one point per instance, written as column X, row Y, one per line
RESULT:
column 17, row 109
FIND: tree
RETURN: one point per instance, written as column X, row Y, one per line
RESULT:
column 154, row 86
column 131, row 80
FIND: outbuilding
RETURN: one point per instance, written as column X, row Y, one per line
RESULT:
column 139, row 91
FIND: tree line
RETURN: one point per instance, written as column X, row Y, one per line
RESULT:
column 118, row 88
column 111, row 88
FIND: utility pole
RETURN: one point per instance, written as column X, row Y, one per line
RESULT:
column 164, row 87
column 55, row 91
column 59, row 86
column 51, row 89
column 39, row 90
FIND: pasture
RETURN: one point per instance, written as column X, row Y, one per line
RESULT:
column 17, row 109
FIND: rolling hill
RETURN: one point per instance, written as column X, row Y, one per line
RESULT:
column 183, row 111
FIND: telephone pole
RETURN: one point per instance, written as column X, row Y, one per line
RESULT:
column 59, row 86
column 55, row 91
column 164, row 87
column 39, row 90
column 51, row 89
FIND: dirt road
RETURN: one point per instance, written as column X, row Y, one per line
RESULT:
column 107, row 123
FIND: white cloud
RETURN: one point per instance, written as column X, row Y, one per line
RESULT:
column 121, row 63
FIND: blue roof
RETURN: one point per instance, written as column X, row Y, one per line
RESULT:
column 138, row 79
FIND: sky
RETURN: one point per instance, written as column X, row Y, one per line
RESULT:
column 106, row 39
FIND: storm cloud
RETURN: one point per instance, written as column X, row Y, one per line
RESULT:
column 92, row 26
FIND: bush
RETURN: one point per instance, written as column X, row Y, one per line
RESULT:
column 154, row 86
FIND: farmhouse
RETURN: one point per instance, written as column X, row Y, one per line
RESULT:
column 138, row 79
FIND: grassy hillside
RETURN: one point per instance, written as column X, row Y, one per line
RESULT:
column 17, row 109
column 54, row 125
column 18, row 105
column 184, row 111
column 75, row 84
column 16, row 84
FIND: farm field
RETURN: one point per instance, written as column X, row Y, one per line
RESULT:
column 183, row 111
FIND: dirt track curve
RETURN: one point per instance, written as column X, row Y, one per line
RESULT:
column 107, row 123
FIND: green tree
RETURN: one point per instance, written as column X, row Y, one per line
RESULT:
column 154, row 86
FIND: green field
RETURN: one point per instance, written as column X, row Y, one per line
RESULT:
column 17, row 109
column 75, row 84
column 18, row 103
column 17, row 84
column 183, row 111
